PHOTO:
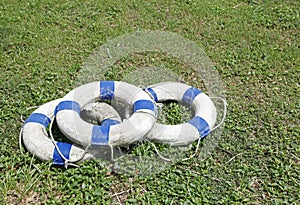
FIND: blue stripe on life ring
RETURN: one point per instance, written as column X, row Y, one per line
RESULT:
column 65, row 149
column 144, row 104
column 108, row 122
column 38, row 118
column 107, row 89
column 67, row 105
column 189, row 95
column 153, row 94
column 100, row 135
column 201, row 125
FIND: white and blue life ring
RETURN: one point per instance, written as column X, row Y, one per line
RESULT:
column 183, row 134
column 121, row 134
column 36, row 140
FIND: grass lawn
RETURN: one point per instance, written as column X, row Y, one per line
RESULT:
column 255, row 48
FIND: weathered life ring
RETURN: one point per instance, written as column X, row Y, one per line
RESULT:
column 183, row 134
column 36, row 140
column 130, row 130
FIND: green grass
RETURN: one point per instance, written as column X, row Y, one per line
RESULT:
column 255, row 48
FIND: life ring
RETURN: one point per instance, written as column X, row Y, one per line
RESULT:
column 183, row 134
column 130, row 130
column 36, row 140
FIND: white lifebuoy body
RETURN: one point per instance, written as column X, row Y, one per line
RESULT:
column 130, row 130
column 183, row 134
column 36, row 140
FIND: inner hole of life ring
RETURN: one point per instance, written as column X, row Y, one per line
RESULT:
column 93, row 112
column 172, row 112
